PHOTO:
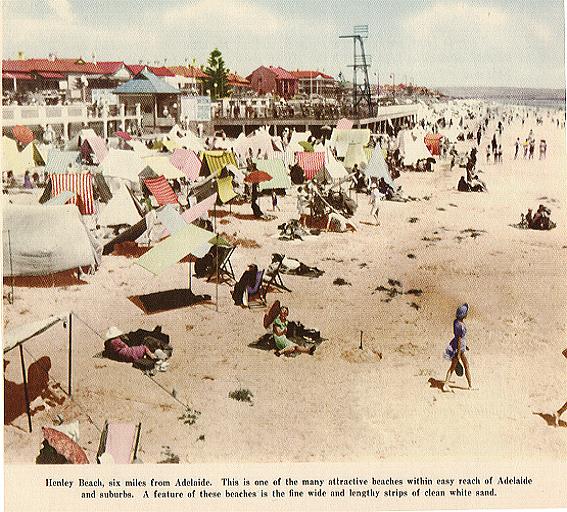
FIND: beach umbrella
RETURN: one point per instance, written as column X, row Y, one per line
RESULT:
column 123, row 135
column 257, row 177
column 23, row 134
column 65, row 446
column 307, row 146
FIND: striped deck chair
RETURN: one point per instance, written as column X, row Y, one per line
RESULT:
column 257, row 294
column 119, row 443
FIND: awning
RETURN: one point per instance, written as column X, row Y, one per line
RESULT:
column 226, row 192
column 276, row 169
column 25, row 332
column 176, row 247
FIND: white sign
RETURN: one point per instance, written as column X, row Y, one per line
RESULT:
column 196, row 108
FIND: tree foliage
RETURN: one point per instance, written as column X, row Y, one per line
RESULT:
column 217, row 82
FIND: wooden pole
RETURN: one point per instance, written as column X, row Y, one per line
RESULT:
column 360, row 347
column 190, row 288
column 26, row 395
column 217, row 258
column 70, row 356
column 11, row 298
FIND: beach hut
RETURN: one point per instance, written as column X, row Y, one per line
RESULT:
column 377, row 168
column 32, row 242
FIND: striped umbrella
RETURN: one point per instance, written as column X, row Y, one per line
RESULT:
column 65, row 446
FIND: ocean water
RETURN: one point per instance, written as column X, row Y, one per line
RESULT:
column 541, row 98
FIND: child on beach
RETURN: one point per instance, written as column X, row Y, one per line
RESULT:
column 457, row 347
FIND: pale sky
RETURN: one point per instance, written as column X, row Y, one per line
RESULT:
column 432, row 42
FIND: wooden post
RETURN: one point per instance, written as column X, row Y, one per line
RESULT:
column 360, row 347
column 190, row 288
column 26, row 395
column 217, row 258
column 12, row 278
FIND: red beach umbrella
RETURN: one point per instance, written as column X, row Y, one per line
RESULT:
column 123, row 135
column 257, row 177
column 65, row 446
column 23, row 134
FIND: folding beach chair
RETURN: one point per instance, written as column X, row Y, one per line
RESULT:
column 120, row 442
column 276, row 279
column 226, row 272
column 257, row 294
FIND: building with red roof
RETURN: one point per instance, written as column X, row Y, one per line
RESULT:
column 315, row 83
column 274, row 80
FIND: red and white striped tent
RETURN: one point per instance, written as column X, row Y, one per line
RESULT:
column 161, row 190
column 80, row 184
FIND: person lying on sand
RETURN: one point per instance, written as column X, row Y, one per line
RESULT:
column 457, row 347
column 140, row 355
column 283, row 345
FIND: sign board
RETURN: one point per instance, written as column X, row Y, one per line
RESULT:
column 196, row 108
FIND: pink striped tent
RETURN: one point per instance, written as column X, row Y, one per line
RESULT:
column 311, row 163
column 187, row 162
column 80, row 184
column 161, row 190
column 94, row 145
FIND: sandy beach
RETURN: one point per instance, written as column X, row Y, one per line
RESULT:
column 343, row 403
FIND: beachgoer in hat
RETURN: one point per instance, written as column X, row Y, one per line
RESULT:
column 456, row 349
column 283, row 345
column 122, row 351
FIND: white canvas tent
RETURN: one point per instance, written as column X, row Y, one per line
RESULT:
column 32, row 240
column 377, row 168
column 355, row 156
column 119, row 210
column 333, row 171
column 122, row 164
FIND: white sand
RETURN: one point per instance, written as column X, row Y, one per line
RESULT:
column 343, row 404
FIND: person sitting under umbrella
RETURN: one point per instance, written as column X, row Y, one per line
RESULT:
column 283, row 344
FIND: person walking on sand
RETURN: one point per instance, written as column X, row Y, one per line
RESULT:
column 517, row 148
column 375, row 197
column 457, row 347
column 275, row 201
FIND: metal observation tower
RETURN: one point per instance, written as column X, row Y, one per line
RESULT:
column 360, row 91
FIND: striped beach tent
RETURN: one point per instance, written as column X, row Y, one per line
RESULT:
column 80, row 184
column 215, row 161
column 94, row 145
column 161, row 190
column 187, row 162
column 276, row 169
column 311, row 163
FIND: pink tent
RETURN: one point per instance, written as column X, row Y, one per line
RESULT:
column 187, row 162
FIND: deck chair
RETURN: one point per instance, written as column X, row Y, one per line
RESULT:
column 119, row 443
column 276, row 279
column 226, row 272
column 257, row 294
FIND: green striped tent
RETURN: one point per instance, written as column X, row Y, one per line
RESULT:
column 276, row 169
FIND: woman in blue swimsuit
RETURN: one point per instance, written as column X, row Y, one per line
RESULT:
column 458, row 346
